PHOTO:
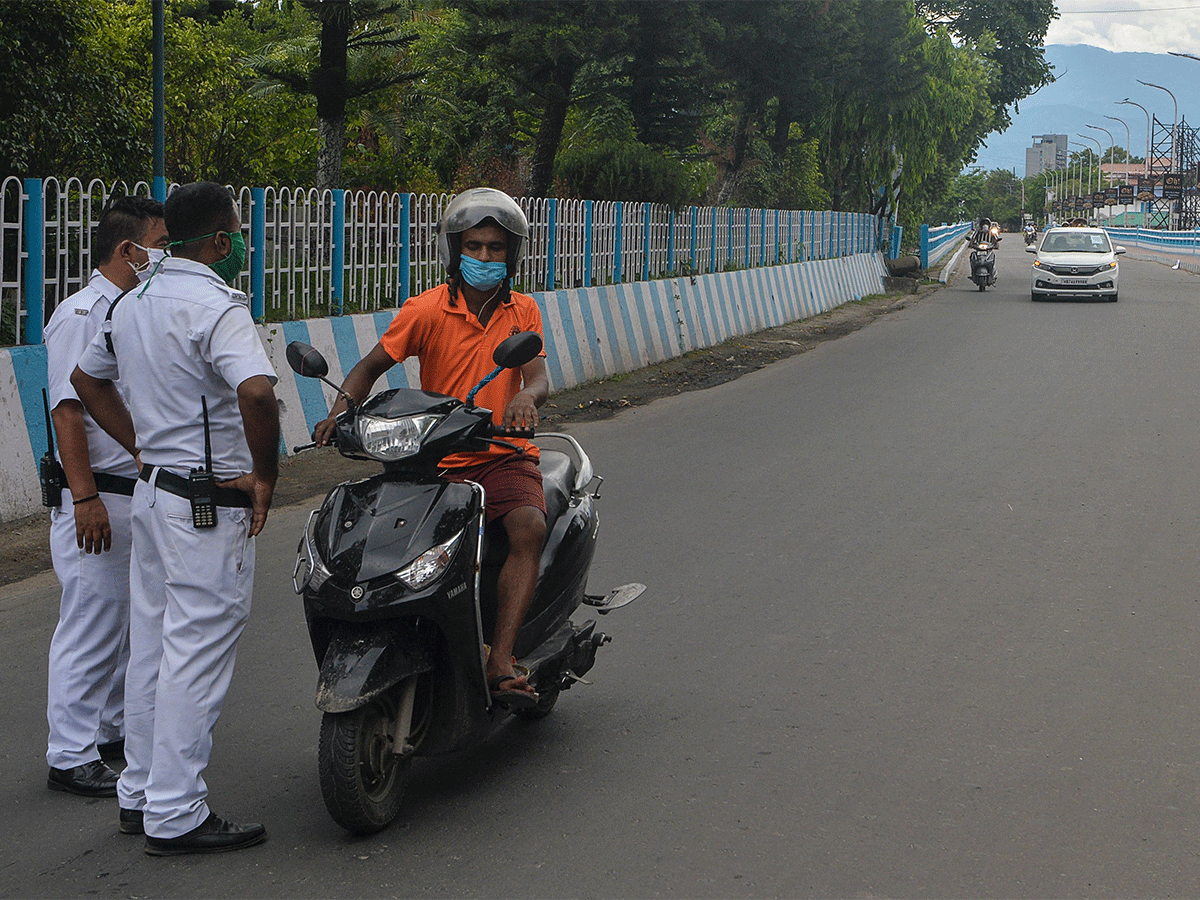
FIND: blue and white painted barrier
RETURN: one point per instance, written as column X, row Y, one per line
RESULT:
column 590, row 333
column 938, row 240
column 1180, row 242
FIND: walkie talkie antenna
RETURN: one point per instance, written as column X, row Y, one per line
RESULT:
column 49, row 425
column 207, row 442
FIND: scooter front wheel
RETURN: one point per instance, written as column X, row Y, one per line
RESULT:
column 362, row 777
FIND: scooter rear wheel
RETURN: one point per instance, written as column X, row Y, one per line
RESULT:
column 362, row 779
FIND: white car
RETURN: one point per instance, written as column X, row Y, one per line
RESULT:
column 1075, row 263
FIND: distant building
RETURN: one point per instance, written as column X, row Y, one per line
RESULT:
column 1049, row 151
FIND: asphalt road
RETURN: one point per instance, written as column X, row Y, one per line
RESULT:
column 921, row 622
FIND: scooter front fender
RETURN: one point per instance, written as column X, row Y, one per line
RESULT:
column 365, row 659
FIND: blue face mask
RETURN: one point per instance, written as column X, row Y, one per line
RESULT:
column 483, row 276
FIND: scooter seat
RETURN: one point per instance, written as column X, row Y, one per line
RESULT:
column 558, row 480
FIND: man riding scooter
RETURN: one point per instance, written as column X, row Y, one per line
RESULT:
column 453, row 330
column 983, row 241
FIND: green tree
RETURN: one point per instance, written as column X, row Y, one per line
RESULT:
column 357, row 53
column 215, row 128
column 780, row 63
column 520, row 63
column 61, row 110
column 1009, row 33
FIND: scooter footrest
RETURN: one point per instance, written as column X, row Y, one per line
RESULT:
column 617, row 597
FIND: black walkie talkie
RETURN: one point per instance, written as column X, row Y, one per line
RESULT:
column 202, row 484
column 50, row 472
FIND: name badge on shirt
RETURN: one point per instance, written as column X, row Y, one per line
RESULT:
column 82, row 312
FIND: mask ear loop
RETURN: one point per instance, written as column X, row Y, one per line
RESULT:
column 153, row 272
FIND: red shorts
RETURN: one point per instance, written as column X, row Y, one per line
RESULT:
column 510, row 482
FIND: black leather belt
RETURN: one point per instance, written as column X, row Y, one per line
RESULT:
column 174, row 484
column 114, row 484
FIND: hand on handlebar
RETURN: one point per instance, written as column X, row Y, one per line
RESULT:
column 503, row 431
column 520, row 415
column 323, row 433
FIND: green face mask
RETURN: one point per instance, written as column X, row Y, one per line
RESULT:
column 229, row 268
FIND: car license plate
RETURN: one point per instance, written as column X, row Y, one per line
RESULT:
column 1074, row 281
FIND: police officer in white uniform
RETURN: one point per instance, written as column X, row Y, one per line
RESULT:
column 183, row 336
column 86, row 696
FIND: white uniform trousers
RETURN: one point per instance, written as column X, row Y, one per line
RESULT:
column 85, row 700
column 189, row 601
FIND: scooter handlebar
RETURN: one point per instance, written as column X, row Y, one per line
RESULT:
column 500, row 431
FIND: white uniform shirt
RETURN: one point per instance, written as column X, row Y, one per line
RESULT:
column 74, row 324
column 186, row 335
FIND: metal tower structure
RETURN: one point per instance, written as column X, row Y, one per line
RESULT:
column 1187, row 163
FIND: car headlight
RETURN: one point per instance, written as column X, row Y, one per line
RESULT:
column 391, row 439
column 1106, row 266
column 1037, row 263
column 430, row 565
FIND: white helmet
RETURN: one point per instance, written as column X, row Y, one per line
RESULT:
column 470, row 208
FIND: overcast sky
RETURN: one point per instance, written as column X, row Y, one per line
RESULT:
column 1134, row 26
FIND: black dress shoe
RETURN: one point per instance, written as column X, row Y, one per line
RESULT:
column 113, row 751
column 94, row 779
column 213, row 835
column 130, row 822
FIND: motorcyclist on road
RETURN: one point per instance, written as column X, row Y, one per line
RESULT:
column 453, row 330
column 983, row 232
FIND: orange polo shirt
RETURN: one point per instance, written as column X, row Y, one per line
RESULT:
column 455, row 352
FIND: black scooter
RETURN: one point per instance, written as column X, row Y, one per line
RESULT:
column 398, row 575
column 983, row 263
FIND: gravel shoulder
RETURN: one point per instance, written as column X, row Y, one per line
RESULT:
column 24, row 543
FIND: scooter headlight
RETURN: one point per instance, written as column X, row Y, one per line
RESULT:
column 391, row 439
column 430, row 565
column 309, row 571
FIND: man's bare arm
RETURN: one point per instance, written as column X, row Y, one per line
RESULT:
column 358, row 385
column 260, row 419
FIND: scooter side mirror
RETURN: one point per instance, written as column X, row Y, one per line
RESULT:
column 517, row 350
column 306, row 360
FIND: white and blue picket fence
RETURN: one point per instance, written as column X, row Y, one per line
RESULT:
column 938, row 240
column 315, row 253
column 590, row 332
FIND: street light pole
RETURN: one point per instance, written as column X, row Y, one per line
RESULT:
column 1079, row 176
column 1146, row 162
column 1128, row 148
column 1099, row 154
column 1110, row 159
column 1128, row 144
column 1174, row 162
column 1174, row 121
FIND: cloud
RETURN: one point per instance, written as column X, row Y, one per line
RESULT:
column 1131, row 26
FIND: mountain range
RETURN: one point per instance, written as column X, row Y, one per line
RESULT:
column 1088, row 83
